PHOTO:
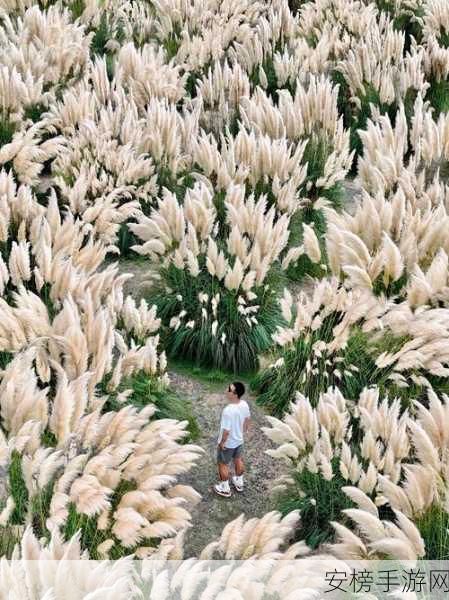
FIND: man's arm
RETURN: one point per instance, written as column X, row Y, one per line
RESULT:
column 224, row 437
column 247, row 421
column 225, row 426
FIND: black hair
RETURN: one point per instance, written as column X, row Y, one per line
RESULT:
column 239, row 388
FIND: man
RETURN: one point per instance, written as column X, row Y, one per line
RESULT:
column 235, row 420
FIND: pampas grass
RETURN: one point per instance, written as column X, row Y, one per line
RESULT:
column 226, row 274
column 214, row 139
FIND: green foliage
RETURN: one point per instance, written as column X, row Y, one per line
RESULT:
column 43, row 293
column 304, row 267
column 295, row 5
column 407, row 23
column 34, row 510
column 404, row 20
column 46, row 299
column 215, row 380
column 8, row 295
column 34, row 112
column 318, row 149
column 5, row 359
column 126, row 239
column 434, row 529
column 92, row 536
column 319, row 502
column 316, row 153
column 7, row 129
column 173, row 41
column 299, row 269
column 211, row 375
column 101, row 36
column 77, row 8
column 48, row 439
column 409, row 105
column 110, row 66
column 387, row 342
column 40, row 510
column 8, row 539
column 272, row 88
column 6, row 246
column 438, row 95
column 344, row 109
column 177, row 183
column 356, row 119
column 392, row 288
column 243, row 342
column 387, row 6
column 103, row 33
column 17, row 489
column 191, row 82
column 204, row 374
column 443, row 38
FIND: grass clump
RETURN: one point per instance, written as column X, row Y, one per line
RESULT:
column 298, row 369
column 433, row 526
column 234, row 344
column 93, row 535
column 319, row 501
column 27, row 509
column 17, row 489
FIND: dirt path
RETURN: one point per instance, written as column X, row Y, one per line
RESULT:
column 141, row 283
column 214, row 512
column 353, row 196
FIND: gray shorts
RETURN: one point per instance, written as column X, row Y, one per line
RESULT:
column 226, row 455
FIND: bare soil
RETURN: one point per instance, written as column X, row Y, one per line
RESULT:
column 141, row 281
column 353, row 195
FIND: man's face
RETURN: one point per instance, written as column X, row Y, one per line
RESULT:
column 231, row 392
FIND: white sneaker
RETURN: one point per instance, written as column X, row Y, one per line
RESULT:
column 223, row 489
column 237, row 482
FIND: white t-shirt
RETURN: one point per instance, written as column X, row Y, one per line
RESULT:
column 232, row 419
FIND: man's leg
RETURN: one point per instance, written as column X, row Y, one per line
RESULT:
column 237, row 480
column 223, row 471
column 239, row 466
column 238, row 461
column 223, row 459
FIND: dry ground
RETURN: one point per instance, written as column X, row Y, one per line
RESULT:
column 141, row 281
